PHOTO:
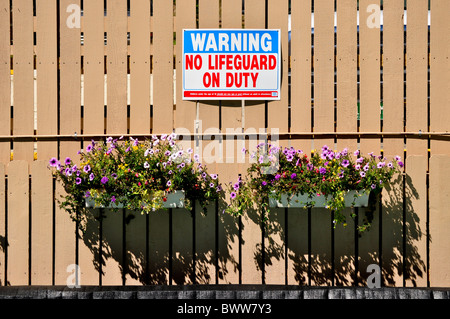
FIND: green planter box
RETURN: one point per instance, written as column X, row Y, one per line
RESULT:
column 174, row 200
column 352, row 199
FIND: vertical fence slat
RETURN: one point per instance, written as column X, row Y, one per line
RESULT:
column 162, row 121
column 417, row 75
column 186, row 111
column 140, row 67
column 208, row 18
column 136, row 249
column 229, row 167
column 416, row 166
column 112, row 247
column 346, row 64
column 255, row 18
column 231, row 110
column 159, row 247
column 23, row 78
column 184, row 269
column 41, row 224
column 2, row 225
column 94, row 67
column 439, row 220
column 416, row 221
column 393, row 111
column 278, row 111
column 46, row 77
column 323, row 71
column 5, row 80
column 18, row 223
column 439, row 73
column 116, row 68
column 369, row 61
column 346, row 121
column 69, row 123
column 301, row 63
column 321, row 255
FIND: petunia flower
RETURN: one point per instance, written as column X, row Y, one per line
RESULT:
column 104, row 180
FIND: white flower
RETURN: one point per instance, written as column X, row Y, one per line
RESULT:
column 146, row 165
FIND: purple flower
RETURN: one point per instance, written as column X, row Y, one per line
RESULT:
column 390, row 165
column 359, row 160
column 236, row 186
column 289, row 158
column 78, row 181
column 91, row 177
column 211, row 185
column 89, row 148
column 264, row 183
column 67, row 161
column 356, row 153
column 277, row 177
column 310, row 166
column 214, row 176
column 53, row 162
column 322, row 170
column 363, row 174
column 169, row 183
column 87, row 168
column 233, row 195
column 373, row 186
column 397, row 158
column 366, row 167
column 104, row 180
column 114, row 175
column 400, row 163
column 113, row 199
column 345, row 163
column 381, row 164
column 87, row 194
column 293, row 176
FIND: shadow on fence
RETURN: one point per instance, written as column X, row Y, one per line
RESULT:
column 144, row 245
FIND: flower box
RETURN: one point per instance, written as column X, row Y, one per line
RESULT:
column 352, row 199
column 175, row 199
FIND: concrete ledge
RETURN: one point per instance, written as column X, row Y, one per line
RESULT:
column 275, row 292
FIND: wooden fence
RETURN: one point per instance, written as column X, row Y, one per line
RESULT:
column 72, row 71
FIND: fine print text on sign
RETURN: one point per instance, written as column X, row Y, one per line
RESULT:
column 231, row 64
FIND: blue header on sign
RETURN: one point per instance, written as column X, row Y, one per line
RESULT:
column 230, row 41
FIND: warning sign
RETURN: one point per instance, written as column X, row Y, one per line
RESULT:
column 224, row 64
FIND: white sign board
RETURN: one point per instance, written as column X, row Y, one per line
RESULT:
column 231, row 64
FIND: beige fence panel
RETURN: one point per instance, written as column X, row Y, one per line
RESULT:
column 139, row 26
column 93, row 68
column 5, row 81
column 325, row 65
column 41, row 224
column 23, row 122
column 18, row 223
column 163, row 102
column 439, row 220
